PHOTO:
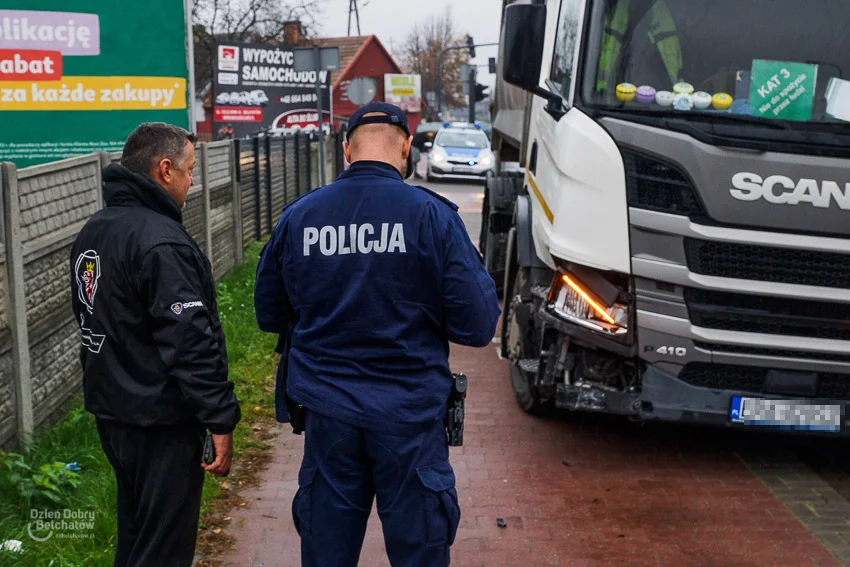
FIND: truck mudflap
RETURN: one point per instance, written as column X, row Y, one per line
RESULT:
column 663, row 397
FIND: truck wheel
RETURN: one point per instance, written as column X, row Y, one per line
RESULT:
column 519, row 347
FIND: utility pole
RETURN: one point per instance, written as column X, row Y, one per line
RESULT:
column 320, row 60
column 317, row 59
column 353, row 10
column 473, row 78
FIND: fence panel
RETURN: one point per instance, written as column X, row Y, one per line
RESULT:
column 278, row 191
column 264, row 188
column 43, row 209
column 247, row 182
column 303, row 164
column 262, row 170
column 8, row 416
column 290, row 166
column 220, row 187
column 193, row 214
column 56, row 199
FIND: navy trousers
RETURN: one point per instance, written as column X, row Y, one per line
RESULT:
column 345, row 468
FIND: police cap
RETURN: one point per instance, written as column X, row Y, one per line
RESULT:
column 392, row 115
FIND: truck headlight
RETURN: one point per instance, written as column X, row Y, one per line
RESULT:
column 603, row 309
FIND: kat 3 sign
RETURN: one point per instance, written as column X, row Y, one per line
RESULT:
column 87, row 272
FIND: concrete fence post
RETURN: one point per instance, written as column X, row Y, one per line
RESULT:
column 205, row 188
column 16, row 304
column 235, row 164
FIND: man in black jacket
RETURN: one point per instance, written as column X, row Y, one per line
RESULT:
column 153, row 351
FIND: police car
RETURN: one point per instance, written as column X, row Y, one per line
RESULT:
column 460, row 151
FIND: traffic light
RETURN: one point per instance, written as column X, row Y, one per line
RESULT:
column 491, row 63
column 471, row 43
column 479, row 92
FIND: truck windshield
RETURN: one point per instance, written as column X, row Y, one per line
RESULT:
column 783, row 60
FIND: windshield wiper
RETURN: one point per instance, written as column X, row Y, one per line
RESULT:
column 743, row 119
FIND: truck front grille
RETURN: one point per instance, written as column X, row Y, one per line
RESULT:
column 764, row 263
column 656, row 186
column 752, row 379
column 718, row 348
column 769, row 315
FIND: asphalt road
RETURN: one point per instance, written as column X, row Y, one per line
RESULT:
column 467, row 195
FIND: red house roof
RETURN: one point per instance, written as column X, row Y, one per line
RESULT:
column 350, row 49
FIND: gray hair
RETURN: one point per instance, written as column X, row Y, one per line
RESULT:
column 152, row 142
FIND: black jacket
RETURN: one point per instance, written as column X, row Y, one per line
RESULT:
column 153, row 350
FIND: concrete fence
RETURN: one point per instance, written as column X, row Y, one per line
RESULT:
column 240, row 188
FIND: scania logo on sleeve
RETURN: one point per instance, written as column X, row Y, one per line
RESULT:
column 180, row 306
column 781, row 190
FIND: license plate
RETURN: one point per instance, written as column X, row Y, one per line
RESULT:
column 460, row 169
column 790, row 415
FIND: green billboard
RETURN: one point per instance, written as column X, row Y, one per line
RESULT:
column 77, row 76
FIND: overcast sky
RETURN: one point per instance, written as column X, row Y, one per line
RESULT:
column 392, row 20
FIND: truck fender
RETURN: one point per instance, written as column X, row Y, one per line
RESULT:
column 526, row 251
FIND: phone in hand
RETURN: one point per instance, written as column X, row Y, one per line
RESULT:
column 209, row 451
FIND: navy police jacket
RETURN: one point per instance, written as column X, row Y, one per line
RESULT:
column 374, row 277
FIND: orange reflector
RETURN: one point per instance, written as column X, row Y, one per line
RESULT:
column 596, row 307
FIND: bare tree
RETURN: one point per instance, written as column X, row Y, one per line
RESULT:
column 419, row 53
column 244, row 20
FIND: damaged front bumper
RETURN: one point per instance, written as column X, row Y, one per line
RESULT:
column 664, row 397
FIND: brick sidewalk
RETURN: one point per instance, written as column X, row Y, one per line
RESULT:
column 580, row 491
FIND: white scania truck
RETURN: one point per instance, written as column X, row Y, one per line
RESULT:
column 678, row 247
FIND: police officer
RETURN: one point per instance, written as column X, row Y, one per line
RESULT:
column 374, row 277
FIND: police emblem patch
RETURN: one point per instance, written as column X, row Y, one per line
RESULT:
column 87, row 272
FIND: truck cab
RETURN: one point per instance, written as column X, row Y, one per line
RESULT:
column 678, row 247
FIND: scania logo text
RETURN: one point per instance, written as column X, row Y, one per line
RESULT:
column 781, row 190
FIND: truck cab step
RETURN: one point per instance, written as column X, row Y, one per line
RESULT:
column 529, row 365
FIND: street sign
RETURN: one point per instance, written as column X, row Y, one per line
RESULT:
column 317, row 60
column 362, row 90
column 305, row 59
column 465, row 70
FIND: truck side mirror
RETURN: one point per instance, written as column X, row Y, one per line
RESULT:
column 525, row 29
